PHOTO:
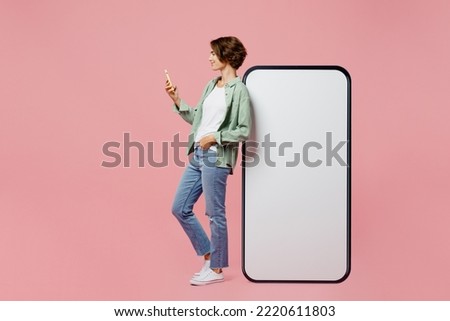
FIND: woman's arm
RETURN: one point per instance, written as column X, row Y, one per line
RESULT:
column 186, row 112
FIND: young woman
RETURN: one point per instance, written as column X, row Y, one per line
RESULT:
column 219, row 122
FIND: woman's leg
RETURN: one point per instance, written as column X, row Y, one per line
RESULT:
column 214, row 181
column 188, row 192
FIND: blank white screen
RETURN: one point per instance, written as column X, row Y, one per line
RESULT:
column 296, row 216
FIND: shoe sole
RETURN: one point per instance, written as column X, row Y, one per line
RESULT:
column 200, row 283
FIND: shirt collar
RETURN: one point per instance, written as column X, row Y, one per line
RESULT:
column 231, row 83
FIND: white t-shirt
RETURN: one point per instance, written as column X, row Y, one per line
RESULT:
column 214, row 110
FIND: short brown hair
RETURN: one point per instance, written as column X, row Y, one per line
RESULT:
column 229, row 49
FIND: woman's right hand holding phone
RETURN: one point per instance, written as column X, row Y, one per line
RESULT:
column 172, row 90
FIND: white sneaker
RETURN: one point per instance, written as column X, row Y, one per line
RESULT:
column 205, row 267
column 207, row 277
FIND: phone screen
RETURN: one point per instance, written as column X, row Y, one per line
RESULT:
column 296, row 175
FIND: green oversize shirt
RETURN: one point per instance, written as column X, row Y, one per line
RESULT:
column 234, row 128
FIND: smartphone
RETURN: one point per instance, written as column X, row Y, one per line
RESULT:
column 296, row 195
column 167, row 77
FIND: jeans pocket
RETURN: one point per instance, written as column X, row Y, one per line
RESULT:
column 209, row 158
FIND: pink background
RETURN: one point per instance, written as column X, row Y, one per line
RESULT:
column 77, row 74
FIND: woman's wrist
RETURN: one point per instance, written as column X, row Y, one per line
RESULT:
column 207, row 141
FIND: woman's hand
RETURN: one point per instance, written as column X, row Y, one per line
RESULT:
column 207, row 141
column 173, row 93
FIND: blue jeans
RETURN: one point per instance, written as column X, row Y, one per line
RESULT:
column 201, row 175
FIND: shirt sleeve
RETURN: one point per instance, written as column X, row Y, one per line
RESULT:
column 185, row 111
column 188, row 113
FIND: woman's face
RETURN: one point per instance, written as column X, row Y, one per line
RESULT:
column 216, row 64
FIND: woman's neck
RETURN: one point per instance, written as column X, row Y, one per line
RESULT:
column 228, row 74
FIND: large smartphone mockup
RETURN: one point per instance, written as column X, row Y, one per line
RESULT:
column 296, row 175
